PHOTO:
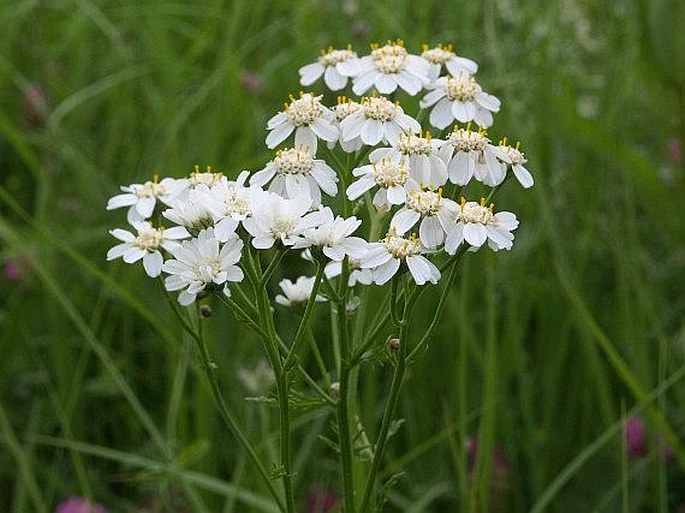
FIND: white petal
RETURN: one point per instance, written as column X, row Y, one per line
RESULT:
column 372, row 132
column 396, row 195
column 134, row 254
column 404, row 219
column 310, row 73
column 334, row 80
column 441, row 115
column 121, row 200
column 279, row 134
column 356, row 189
column 408, row 82
column 431, row 232
column 384, row 272
column 432, row 98
column 419, row 268
column 325, row 130
column 454, row 238
column 475, row 234
column 152, row 262
column 305, row 137
column 523, row 176
column 385, row 83
column 117, row 251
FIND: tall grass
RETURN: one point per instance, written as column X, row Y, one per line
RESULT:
column 543, row 351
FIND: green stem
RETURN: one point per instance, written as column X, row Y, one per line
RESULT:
column 231, row 422
column 272, row 265
column 291, row 360
column 391, row 404
column 346, row 449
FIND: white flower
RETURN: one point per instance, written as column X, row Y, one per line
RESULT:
column 390, row 173
column 344, row 108
column 295, row 172
column 470, row 154
column 146, row 245
column 425, row 163
column 477, row 223
column 191, row 210
column 143, row 197
column 357, row 274
column 514, row 157
column 298, row 292
column 308, row 118
column 387, row 67
column 385, row 257
column 279, row 219
column 230, row 203
column 378, row 120
column 437, row 214
column 202, row 262
column 328, row 65
column 333, row 237
column 459, row 98
column 440, row 55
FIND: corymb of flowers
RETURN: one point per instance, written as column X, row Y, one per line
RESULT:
column 383, row 172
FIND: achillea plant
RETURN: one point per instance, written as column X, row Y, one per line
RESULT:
column 371, row 198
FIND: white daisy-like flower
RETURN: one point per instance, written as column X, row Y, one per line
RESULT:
column 230, row 203
column 390, row 173
column 328, row 65
column 308, row 118
column 477, row 223
column 459, row 98
column 297, row 293
column 388, row 67
column 513, row 157
column 277, row 219
column 295, row 172
column 201, row 263
column 344, row 108
column 146, row 245
column 425, row 163
column 385, row 257
column 379, row 120
column 443, row 55
column 470, row 154
column 142, row 198
column 191, row 210
column 333, row 236
column 357, row 273
column 437, row 214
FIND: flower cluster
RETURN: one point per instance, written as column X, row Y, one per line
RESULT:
column 196, row 229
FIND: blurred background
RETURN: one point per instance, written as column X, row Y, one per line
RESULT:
column 531, row 396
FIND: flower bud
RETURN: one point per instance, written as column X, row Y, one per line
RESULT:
column 34, row 106
column 206, row 311
column 394, row 344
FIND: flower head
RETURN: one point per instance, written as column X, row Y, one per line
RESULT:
column 389, row 173
column 142, row 198
column 437, row 214
column 344, row 108
column 333, row 236
column 296, row 172
column 146, row 245
column 459, row 98
column 513, row 157
column 200, row 263
column 329, row 65
column 388, row 67
column 378, row 120
column 470, row 154
column 191, row 210
column 443, row 55
column 308, row 118
column 478, row 223
column 385, row 257
column 298, row 292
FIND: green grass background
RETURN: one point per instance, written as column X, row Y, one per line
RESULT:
column 543, row 350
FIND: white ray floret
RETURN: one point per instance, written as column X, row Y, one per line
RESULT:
column 385, row 257
column 443, row 55
column 201, row 263
column 191, row 210
column 295, row 172
column 459, row 98
column 421, row 151
column 357, row 273
column 471, row 154
column 379, row 120
column 279, row 220
column 514, row 158
column 298, row 292
column 477, row 223
column 328, row 65
column 142, row 197
column 333, row 236
column 390, row 173
column 437, row 214
column 388, row 67
column 305, row 116
column 146, row 245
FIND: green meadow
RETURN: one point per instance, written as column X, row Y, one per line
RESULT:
column 543, row 351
